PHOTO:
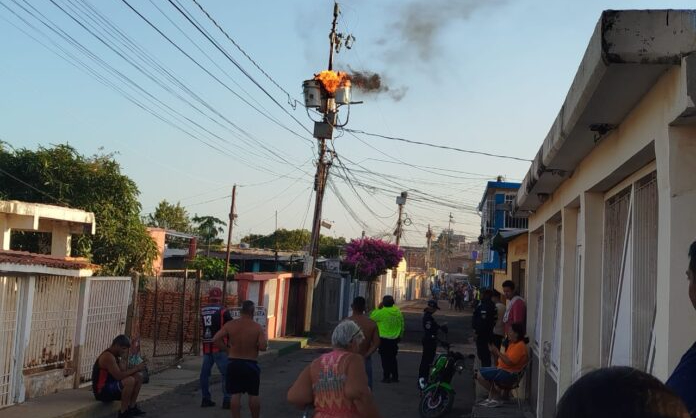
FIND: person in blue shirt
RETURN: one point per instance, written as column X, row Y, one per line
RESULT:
column 683, row 379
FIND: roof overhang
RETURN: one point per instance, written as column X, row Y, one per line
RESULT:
column 504, row 236
column 40, row 217
column 628, row 51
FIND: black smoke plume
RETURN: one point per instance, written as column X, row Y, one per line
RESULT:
column 372, row 83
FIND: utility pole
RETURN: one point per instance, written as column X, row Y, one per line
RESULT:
column 276, row 240
column 401, row 201
column 429, row 237
column 229, row 243
column 322, row 98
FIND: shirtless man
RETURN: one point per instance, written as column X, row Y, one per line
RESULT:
column 369, row 328
column 245, row 339
column 112, row 381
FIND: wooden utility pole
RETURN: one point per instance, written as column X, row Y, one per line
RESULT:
column 401, row 201
column 322, row 164
column 429, row 238
column 229, row 243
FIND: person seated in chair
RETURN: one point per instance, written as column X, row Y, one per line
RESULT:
column 510, row 364
column 113, row 381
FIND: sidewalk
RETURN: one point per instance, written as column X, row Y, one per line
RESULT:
column 80, row 403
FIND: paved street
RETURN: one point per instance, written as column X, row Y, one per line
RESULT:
column 395, row 400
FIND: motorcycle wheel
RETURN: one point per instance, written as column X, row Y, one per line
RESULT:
column 435, row 403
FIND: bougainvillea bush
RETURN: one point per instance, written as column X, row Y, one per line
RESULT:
column 372, row 257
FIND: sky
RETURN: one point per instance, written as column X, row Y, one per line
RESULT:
column 487, row 75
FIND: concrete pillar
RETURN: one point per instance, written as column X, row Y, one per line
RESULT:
column 566, row 300
column 592, row 207
column 5, row 231
column 61, row 239
column 546, row 313
column 675, row 322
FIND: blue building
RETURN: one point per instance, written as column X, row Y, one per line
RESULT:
column 496, row 216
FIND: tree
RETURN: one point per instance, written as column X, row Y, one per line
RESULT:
column 296, row 240
column 169, row 216
column 208, row 229
column 331, row 247
column 372, row 257
column 212, row 268
column 61, row 176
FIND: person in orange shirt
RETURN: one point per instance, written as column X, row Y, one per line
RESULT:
column 510, row 363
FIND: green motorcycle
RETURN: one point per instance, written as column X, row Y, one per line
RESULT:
column 437, row 393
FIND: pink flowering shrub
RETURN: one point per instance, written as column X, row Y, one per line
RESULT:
column 372, row 257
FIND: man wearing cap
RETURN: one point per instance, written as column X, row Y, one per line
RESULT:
column 430, row 330
column 213, row 317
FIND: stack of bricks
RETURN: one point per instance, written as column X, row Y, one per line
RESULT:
column 168, row 305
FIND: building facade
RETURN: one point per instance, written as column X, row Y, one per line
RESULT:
column 610, row 197
column 496, row 215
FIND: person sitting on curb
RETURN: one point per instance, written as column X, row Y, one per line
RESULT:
column 112, row 381
column 510, row 364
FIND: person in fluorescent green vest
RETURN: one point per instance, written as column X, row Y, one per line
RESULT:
column 390, row 324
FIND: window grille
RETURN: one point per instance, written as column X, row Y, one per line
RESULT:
column 645, row 213
column 615, row 226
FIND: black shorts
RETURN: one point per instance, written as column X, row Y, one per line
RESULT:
column 110, row 392
column 243, row 376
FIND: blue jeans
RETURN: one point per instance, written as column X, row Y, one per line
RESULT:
column 220, row 360
column 368, row 370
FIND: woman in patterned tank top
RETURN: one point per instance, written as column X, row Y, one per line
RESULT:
column 336, row 383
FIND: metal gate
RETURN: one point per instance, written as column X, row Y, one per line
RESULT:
column 9, row 306
column 53, row 323
column 105, row 317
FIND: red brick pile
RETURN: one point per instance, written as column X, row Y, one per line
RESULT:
column 168, row 304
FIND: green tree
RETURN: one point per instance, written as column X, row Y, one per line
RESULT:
column 169, row 216
column 61, row 176
column 212, row 268
column 208, row 229
column 295, row 240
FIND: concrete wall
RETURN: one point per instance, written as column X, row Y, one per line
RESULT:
column 644, row 142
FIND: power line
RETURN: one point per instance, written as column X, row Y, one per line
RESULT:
column 32, row 187
column 393, row 138
column 292, row 102
column 240, row 68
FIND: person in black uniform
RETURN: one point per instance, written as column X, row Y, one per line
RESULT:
column 430, row 330
column 213, row 317
column 483, row 322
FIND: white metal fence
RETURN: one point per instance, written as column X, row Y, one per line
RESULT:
column 9, row 304
column 105, row 312
column 53, row 322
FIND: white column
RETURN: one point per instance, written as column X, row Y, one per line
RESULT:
column 60, row 239
column 675, row 322
column 566, row 303
column 4, row 232
column 592, row 206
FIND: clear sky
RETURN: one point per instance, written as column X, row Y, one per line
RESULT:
column 487, row 75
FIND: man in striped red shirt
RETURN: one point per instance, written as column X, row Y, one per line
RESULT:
column 213, row 317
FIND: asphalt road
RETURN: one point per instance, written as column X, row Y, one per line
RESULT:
column 394, row 399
